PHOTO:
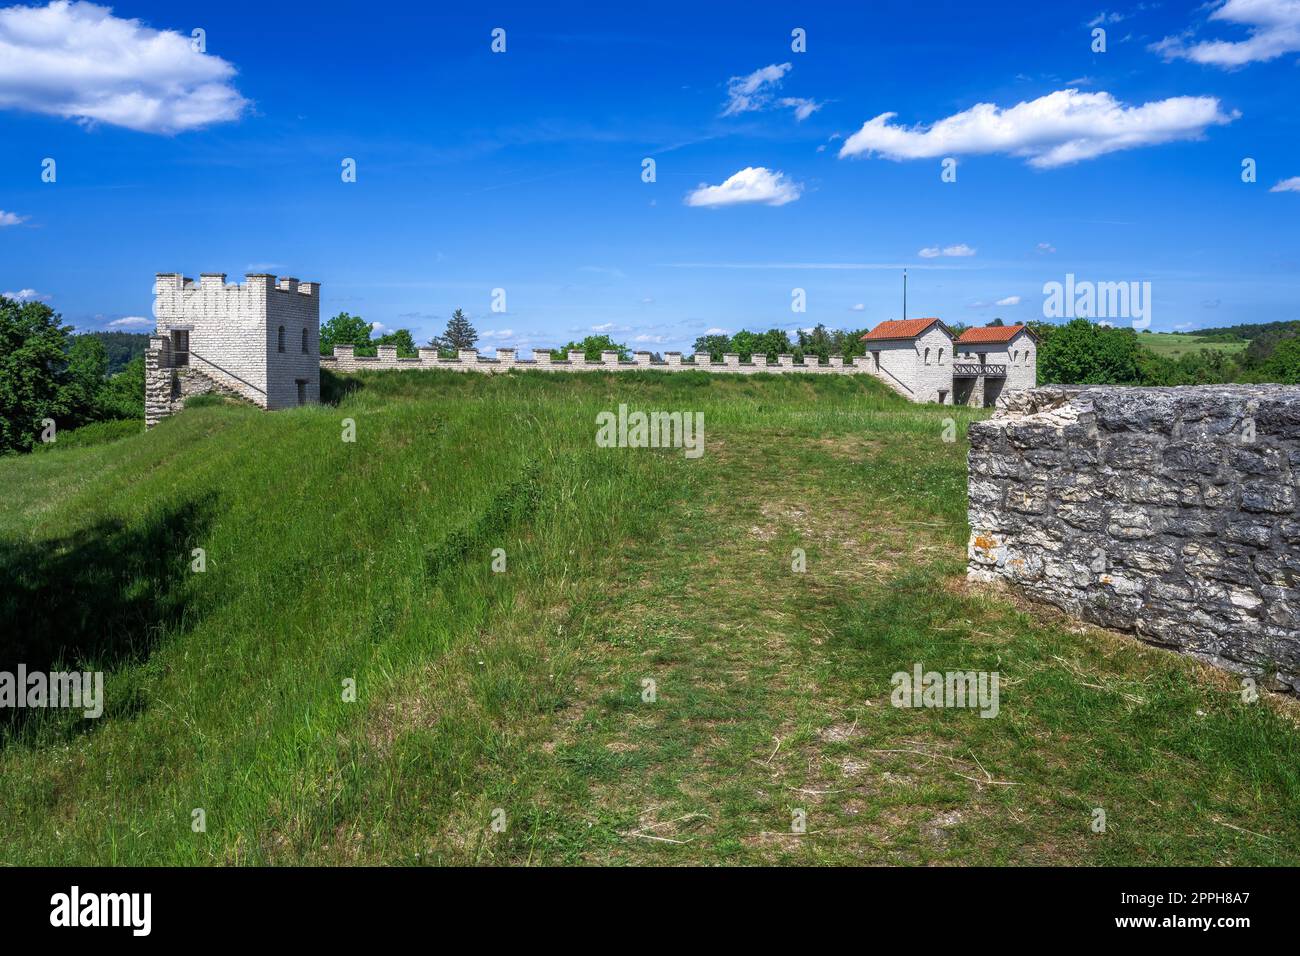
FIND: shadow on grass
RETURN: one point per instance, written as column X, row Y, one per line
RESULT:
column 334, row 388
column 97, row 599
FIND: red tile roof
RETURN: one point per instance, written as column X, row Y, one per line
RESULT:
column 899, row 329
column 990, row 334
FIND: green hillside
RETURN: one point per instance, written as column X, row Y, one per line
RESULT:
column 647, row 681
column 1177, row 344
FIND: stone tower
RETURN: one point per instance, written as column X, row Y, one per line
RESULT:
column 259, row 340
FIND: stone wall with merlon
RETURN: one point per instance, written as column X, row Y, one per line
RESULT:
column 1167, row 512
column 346, row 360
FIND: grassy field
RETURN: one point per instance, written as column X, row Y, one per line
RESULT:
column 1173, row 345
column 647, row 681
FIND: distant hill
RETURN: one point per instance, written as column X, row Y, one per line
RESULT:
column 1175, row 344
column 121, row 347
column 1250, row 332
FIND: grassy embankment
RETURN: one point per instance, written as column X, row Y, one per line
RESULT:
column 523, row 691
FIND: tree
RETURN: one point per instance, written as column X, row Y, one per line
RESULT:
column 459, row 334
column 853, row 345
column 402, row 338
column 995, row 324
column 1283, row 366
column 122, row 347
column 33, row 359
column 84, row 379
column 714, row 344
column 1084, row 353
column 817, row 342
column 591, row 347
column 123, row 395
column 344, row 329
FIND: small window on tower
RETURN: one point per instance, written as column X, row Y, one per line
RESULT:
column 280, row 347
column 304, row 341
column 180, row 347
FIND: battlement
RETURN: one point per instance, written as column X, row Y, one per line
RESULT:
column 345, row 359
column 165, row 282
column 260, row 338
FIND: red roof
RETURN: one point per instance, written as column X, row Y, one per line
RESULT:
column 899, row 329
column 991, row 334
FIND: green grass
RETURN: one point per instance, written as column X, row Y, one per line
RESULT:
column 96, row 433
column 522, row 691
column 1174, row 345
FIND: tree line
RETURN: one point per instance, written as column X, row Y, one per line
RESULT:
column 1082, row 352
column 50, row 374
column 1079, row 352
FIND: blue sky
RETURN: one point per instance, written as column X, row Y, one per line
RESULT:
column 522, row 170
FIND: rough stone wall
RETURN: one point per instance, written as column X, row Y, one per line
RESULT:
column 157, row 380
column 1168, row 512
column 166, row 387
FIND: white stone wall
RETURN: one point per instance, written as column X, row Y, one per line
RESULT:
column 1020, row 356
column 234, row 332
column 926, row 380
column 1022, row 362
column 903, row 365
column 295, row 307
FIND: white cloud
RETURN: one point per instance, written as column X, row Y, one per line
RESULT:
column 132, row 322
column 1009, row 300
column 27, row 295
column 858, row 307
column 78, row 61
column 603, row 327
column 716, row 332
column 1103, row 18
column 803, row 108
column 649, row 339
column 1291, row 185
column 1046, row 247
column 933, row 252
column 1054, row 130
column 497, row 334
column 647, row 300
column 1274, row 27
column 753, row 92
column 11, row 218
column 751, row 184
